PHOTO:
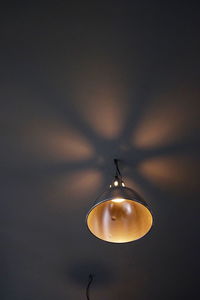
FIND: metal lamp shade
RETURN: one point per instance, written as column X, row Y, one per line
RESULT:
column 119, row 215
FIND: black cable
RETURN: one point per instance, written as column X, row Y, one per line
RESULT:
column 118, row 173
column 91, row 277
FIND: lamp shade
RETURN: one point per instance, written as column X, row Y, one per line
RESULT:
column 119, row 215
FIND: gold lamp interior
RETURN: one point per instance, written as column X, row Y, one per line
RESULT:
column 119, row 220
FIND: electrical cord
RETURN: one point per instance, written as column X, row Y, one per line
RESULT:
column 118, row 173
column 91, row 277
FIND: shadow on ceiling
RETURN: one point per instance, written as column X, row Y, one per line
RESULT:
column 72, row 135
column 79, row 273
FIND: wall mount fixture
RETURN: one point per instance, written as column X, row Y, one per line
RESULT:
column 119, row 215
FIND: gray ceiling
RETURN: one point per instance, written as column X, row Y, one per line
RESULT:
column 82, row 84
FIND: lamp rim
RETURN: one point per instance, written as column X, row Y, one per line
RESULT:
column 140, row 201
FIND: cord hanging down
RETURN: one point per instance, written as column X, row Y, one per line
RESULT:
column 118, row 173
column 91, row 277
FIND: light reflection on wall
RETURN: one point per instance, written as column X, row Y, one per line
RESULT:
column 83, row 184
column 58, row 142
column 179, row 173
column 105, row 114
column 168, row 119
column 101, row 99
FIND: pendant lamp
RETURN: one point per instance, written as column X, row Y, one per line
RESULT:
column 119, row 215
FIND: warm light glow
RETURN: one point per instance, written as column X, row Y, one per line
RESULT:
column 119, row 214
column 177, row 173
column 119, row 222
column 56, row 141
column 107, row 114
column 87, row 181
column 118, row 200
column 161, row 125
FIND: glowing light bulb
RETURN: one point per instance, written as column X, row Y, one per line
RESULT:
column 123, row 184
column 118, row 200
column 116, row 183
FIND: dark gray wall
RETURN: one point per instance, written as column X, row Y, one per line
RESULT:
column 80, row 85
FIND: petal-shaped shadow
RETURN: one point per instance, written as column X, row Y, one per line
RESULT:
column 168, row 119
column 101, row 100
column 43, row 132
column 178, row 173
column 50, row 140
column 74, row 188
